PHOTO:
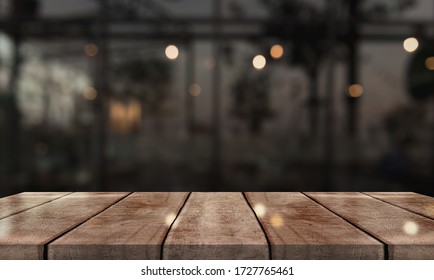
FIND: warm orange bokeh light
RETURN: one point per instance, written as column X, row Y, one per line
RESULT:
column 91, row 50
column 276, row 51
column 90, row 93
column 355, row 91
column 429, row 63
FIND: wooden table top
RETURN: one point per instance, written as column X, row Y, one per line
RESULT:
column 217, row 226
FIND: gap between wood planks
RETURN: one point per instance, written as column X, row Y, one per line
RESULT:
column 48, row 201
column 185, row 203
column 45, row 254
column 260, row 224
column 385, row 245
column 170, row 227
column 396, row 205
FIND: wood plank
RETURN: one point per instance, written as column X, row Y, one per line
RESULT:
column 17, row 203
column 216, row 226
column 408, row 235
column 300, row 229
column 134, row 228
column 23, row 236
column 414, row 202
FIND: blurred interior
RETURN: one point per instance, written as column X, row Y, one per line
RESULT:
column 216, row 95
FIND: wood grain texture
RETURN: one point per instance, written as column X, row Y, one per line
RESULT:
column 23, row 236
column 417, row 203
column 216, row 226
column 134, row 228
column 23, row 201
column 299, row 228
column 407, row 235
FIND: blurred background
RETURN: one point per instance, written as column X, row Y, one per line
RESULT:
column 216, row 95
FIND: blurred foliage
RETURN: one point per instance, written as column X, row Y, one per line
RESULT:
column 251, row 100
column 26, row 8
column 304, row 24
column 384, row 8
column 147, row 80
column 420, row 79
column 407, row 125
column 306, row 11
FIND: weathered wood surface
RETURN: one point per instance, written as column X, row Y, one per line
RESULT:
column 216, row 226
column 417, row 203
column 134, row 228
column 23, row 201
column 299, row 228
column 23, row 236
column 407, row 235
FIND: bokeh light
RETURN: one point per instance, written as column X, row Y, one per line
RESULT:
column 259, row 62
column 195, row 90
column 260, row 210
column 355, row 90
column 410, row 228
column 172, row 52
column 276, row 221
column 90, row 93
column 411, row 44
column 276, row 51
column 170, row 218
column 91, row 50
column 429, row 63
